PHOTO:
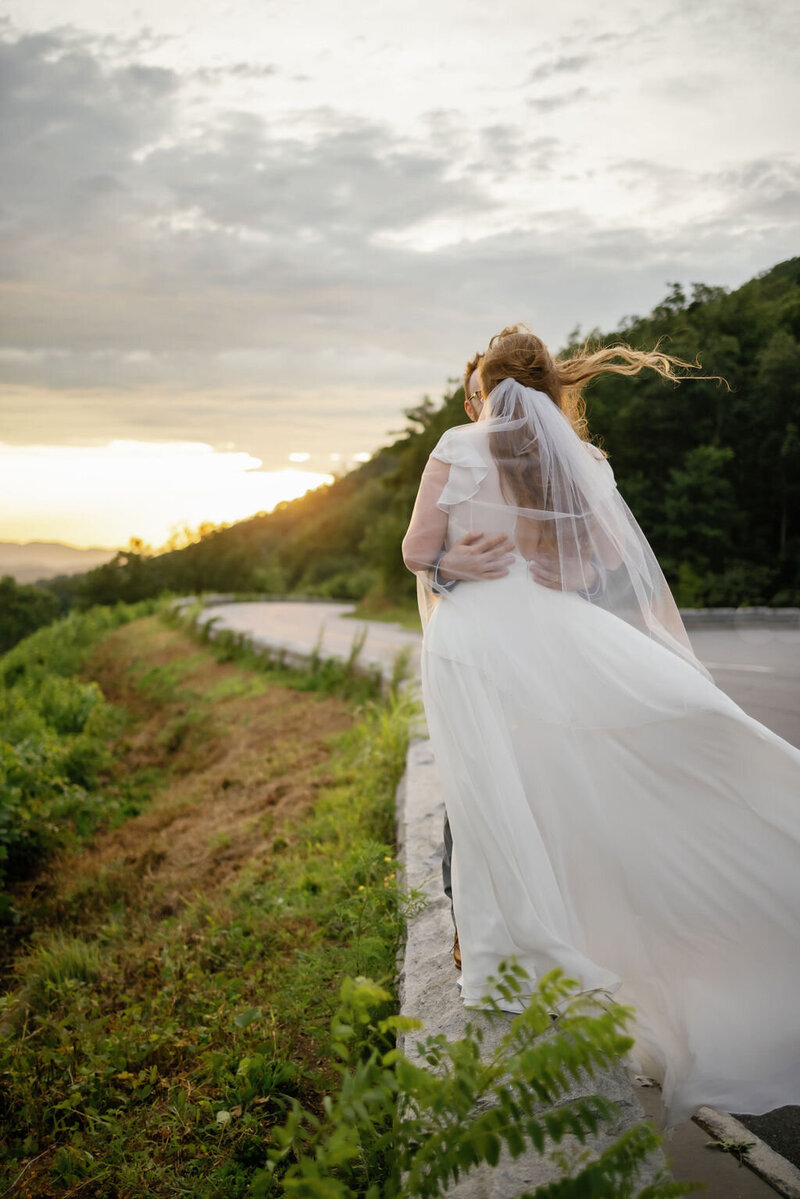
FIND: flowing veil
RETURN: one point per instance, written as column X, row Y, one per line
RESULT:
column 524, row 470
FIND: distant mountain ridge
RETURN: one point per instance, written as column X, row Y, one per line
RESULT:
column 29, row 561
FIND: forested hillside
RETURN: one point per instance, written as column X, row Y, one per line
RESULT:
column 712, row 475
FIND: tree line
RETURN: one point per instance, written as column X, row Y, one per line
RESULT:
column 713, row 476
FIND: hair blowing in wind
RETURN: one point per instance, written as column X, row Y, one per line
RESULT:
column 516, row 353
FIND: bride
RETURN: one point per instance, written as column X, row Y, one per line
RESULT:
column 613, row 812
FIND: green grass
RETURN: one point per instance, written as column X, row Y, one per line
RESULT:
column 58, row 781
column 146, row 1056
column 348, row 678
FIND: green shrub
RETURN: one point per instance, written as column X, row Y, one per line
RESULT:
column 24, row 608
column 60, row 648
column 398, row 1128
column 54, row 731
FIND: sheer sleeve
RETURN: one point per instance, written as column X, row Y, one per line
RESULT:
column 424, row 541
column 468, row 467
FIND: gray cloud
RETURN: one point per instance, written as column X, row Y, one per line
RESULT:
column 561, row 100
column 238, row 70
column 761, row 191
column 93, row 153
column 564, row 65
column 772, row 24
column 768, row 28
column 250, row 280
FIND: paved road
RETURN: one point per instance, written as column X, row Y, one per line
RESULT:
column 297, row 627
column 759, row 667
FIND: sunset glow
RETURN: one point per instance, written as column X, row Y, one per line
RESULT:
column 235, row 260
column 104, row 495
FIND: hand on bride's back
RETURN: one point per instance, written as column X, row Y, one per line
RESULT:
column 476, row 556
column 548, row 571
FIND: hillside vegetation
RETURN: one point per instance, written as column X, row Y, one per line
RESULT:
column 712, row 475
column 198, row 846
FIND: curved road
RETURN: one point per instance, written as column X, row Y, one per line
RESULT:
column 758, row 666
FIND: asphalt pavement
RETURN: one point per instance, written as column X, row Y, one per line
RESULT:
column 759, row 667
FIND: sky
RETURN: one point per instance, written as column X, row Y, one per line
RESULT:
column 238, row 240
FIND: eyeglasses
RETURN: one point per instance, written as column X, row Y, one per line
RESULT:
column 476, row 398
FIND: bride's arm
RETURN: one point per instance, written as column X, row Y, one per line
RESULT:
column 474, row 556
column 423, row 542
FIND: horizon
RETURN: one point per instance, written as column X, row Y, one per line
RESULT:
column 181, row 533
column 233, row 256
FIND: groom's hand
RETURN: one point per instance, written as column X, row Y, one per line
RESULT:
column 476, row 556
column 550, row 572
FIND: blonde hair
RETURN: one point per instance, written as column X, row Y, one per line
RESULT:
column 516, row 353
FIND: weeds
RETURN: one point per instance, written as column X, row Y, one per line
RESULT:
column 737, row 1149
column 54, row 743
column 151, row 1056
column 348, row 678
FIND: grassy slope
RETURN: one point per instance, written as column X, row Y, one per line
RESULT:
column 186, row 964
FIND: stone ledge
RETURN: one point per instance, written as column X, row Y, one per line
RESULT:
column 785, row 618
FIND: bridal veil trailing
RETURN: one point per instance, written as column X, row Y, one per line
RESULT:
column 613, row 812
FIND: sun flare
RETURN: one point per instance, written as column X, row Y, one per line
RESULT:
column 106, row 494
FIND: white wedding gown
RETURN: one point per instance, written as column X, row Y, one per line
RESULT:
column 615, row 814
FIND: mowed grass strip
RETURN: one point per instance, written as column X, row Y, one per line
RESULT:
column 178, row 989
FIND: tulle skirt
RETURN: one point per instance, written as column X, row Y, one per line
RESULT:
column 618, row 816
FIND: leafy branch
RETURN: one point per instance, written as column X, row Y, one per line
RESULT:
column 399, row 1127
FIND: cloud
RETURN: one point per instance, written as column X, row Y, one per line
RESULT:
column 564, row 65
column 354, row 179
column 773, row 25
column 237, row 70
column 253, row 278
column 106, row 192
column 562, row 100
column 761, row 192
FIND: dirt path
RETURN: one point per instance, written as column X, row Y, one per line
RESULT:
column 238, row 761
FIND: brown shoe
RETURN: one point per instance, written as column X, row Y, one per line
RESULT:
column 456, row 952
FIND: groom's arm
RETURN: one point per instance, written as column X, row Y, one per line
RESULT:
column 473, row 556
